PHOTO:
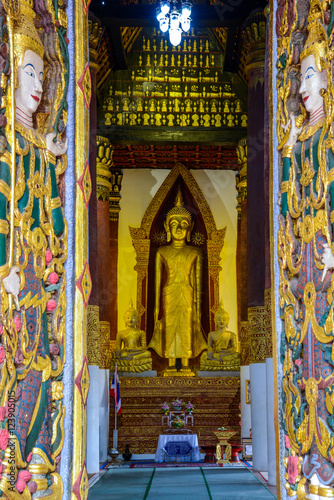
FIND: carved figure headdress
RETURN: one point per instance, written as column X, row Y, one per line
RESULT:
column 317, row 41
column 25, row 33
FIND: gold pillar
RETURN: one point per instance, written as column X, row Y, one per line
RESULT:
column 241, row 178
column 254, row 45
column 115, row 194
column 93, row 336
column 242, row 289
column 105, row 357
column 103, row 168
column 244, row 344
column 268, row 323
column 257, row 334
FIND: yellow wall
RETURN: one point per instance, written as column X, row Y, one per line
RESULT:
column 138, row 188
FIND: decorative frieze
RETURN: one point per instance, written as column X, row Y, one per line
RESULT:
column 104, row 163
column 241, row 178
column 105, row 344
column 257, row 334
column 268, row 323
column 244, row 344
column 93, row 336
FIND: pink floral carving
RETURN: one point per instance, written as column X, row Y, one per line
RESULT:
column 53, row 278
column 4, row 437
column 298, row 362
column 287, row 441
column 292, row 469
column 3, row 121
column 25, row 475
column 2, row 354
column 54, row 349
column 2, row 413
column 20, row 485
column 32, row 486
column 18, row 393
column 18, row 357
column 48, row 257
column 51, row 305
column 17, row 322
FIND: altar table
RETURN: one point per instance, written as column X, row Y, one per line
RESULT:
column 162, row 456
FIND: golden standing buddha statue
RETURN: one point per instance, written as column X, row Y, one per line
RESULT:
column 177, row 312
column 131, row 354
column 222, row 346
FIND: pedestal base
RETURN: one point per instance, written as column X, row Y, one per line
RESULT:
column 210, row 453
column 149, row 373
column 172, row 372
column 221, row 373
column 235, row 452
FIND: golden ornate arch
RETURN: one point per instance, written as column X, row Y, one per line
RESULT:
column 141, row 242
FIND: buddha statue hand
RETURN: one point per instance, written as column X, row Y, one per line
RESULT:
column 294, row 131
column 12, row 284
column 327, row 259
column 58, row 148
column 210, row 353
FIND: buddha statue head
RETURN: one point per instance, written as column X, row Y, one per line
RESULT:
column 178, row 224
column 131, row 316
column 222, row 318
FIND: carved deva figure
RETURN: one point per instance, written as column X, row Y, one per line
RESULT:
column 307, row 279
column 222, row 346
column 177, row 332
column 131, row 353
column 32, row 253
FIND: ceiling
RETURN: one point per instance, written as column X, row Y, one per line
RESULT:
column 120, row 23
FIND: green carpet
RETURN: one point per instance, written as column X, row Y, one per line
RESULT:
column 179, row 484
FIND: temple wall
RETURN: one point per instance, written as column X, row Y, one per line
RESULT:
column 138, row 188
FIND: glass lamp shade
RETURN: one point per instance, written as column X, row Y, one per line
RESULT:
column 164, row 6
column 186, row 10
column 175, row 36
column 185, row 23
column 164, row 24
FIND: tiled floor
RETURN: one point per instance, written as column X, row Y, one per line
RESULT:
column 123, row 483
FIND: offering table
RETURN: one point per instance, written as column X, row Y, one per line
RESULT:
column 177, row 448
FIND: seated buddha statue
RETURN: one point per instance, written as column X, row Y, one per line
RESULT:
column 222, row 346
column 131, row 354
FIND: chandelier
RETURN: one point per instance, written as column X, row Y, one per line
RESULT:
column 172, row 19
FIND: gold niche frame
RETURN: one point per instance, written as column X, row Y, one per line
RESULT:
column 141, row 242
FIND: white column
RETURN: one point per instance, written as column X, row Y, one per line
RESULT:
column 93, row 461
column 104, row 391
column 246, row 417
column 259, row 416
column 270, row 423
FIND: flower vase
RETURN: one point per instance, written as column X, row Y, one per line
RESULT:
column 177, row 408
column 127, row 454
